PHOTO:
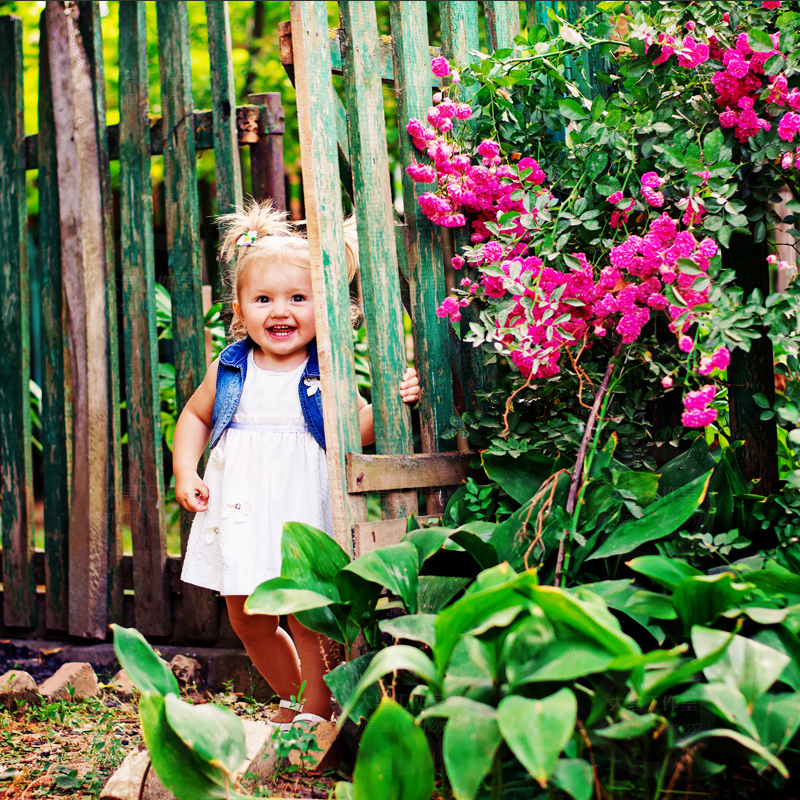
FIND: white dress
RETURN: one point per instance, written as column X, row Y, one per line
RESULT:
column 266, row 469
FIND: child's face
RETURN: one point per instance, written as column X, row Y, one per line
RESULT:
column 276, row 305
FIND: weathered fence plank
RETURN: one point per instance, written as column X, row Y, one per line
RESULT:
column 376, row 239
column 366, row 473
column 374, row 535
column 502, row 23
column 459, row 37
column 15, row 419
column 266, row 155
column 84, row 270
column 316, row 113
column 145, row 470
column 423, row 242
column 91, row 33
column 55, row 466
column 180, row 181
column 228, row 173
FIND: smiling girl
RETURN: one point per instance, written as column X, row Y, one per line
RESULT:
column 261, row 406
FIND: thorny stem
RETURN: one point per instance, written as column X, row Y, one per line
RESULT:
column 587, row 435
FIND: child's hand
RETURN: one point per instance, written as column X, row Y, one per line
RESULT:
column 409, row 388
column 190, row 491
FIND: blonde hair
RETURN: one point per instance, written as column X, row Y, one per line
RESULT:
column 278, row 241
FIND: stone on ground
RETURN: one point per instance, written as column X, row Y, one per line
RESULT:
column 332, row 746
column 121, row 685
column 72, row 681
column 188, row 672
column 18, row 687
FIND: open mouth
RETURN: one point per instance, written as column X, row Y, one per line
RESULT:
column 281, row 331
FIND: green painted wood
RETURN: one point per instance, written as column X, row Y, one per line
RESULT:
column 223, row 106
column 90, row 28
column 377, row 253
column 180, row 183
column 316, row 114
column 145, row 470
column 54, row 434
column 423, row 242
column 502, row 23
column 19, row 606
column 84, row 271
column 590, row 61
column 459, row 21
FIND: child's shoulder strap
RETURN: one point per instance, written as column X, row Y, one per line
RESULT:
column 234, row 355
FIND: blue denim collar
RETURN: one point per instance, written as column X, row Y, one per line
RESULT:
column 235, row 355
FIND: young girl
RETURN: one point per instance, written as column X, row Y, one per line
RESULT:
column 260, row 404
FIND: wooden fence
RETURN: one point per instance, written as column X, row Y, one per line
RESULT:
column 83, row 575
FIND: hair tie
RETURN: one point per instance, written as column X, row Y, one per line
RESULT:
column 246, row 239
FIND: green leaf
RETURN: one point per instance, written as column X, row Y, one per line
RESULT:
column 748, row 665
column 696, row 461
column 538, row 730
column 180, row 769
column 774, row 65
column 283, row 596
column 596, row 163
column 414, row 627
column 147, row 672
column 574, row 776
column 391, row 659
column 394, row 760
column 667, row 572
column 711, row 146
column 471, row 738
column 777, row 719
column 215, row 733
column 759, row 40
column 700, row 599
column 483, row 552
column 561, row 660
column 630, row 728
column 643, row 485
column 311, row 559
column 520, row 477
column 343, row 680
column 598, row 107
column 741, row 739
column 660, row 519
column 724, row 700
column 395, row 567
column 427, row 541
column 436, row 591
column 571, row 109
column 654, row 605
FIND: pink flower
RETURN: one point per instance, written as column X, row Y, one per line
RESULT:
column 691, row 25
column 488, row 149
column 787, row 159
column 457, row 262
column 697, row 401
column 721, row 358
column 651, row 180
column 789, row 126
column 421, row 173
column 440, row 67
column 450, row 309
column 463, row 111
column 654, row 199
column 666, row 382
column 726, row 17
column 615, row 198
column 699, row 418
column 685, row 344
column 537, row 176
column 693, row 54
column 771, row 4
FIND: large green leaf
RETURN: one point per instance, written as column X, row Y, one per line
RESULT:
column 391, row 659
column 781, row 638
column 668, row 572
column 651, row 604
column 560, row 660
column 427, row 540
column 699, row 600
column 283, row 596
column 147, row 672
column 775, row 580
column 538, row 730
column 520, row 477
column 180, row 769
column 215, row 733
column 471, row 738
column 632, row 726
column 414, row 627
column 686, row 467
column 643, row 485
column 343, row 680
column 311, row 558
column 777, row 719
column 660, row 519
column 741, row 739
column 748, row 665
column 436, row 591
column 394, row 761
column 724, row 700
column 395, row 567
column 574, row 776
column 483, row 552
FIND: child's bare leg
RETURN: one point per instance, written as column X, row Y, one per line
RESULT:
column 315, row 662
column 270, row 649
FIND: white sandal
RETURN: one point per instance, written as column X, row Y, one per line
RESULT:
column 284, row 726
column 312, row 720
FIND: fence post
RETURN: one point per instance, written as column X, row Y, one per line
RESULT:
column 19, row 606
column 91, row 33
column 323, row 200
column 55, row 420
column 423, row 242
column 266, row 155
column 369, row 161
column 83, row 260
column 145, row 458
column 502, row 23
column 180, row 184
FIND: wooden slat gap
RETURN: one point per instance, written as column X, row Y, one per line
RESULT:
column 368, row 473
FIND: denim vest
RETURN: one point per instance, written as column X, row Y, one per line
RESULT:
column 230, row 383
